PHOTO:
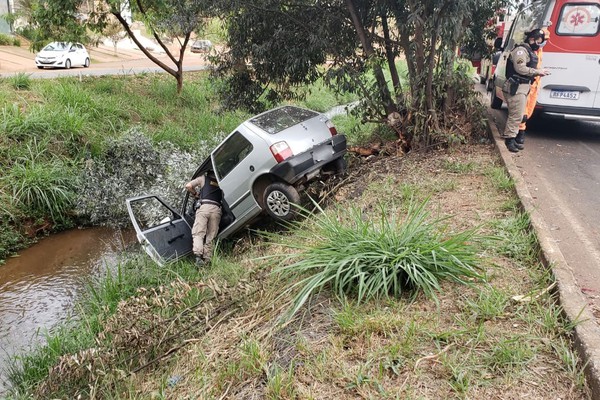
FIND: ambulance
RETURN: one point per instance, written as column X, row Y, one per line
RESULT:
column 571, row 55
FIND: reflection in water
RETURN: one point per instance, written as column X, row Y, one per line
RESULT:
column 38, row 288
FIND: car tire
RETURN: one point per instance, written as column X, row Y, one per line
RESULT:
column 39, row 67
column 86, row 64
column 340, row 165
column 490, row 85
column 68, row 64
column 495, row 101
column 279, row 199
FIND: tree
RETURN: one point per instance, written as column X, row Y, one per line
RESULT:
column 166, row 19
column 114, row 31
column 275, row 46
column 58, row 20
column 52, row 20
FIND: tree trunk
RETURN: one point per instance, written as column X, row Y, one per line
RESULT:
column 391, row 59
column 176, row 73
column 384, row 92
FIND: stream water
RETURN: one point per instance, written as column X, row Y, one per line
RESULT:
column 39, row 287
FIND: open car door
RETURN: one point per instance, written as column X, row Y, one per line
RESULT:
column 163, row 233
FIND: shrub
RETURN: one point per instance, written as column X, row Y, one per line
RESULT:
column 7, row 40
column 376, row 257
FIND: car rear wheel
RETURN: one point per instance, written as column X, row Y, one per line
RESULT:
column 495, row 101
column 339, row 165
column 279, row 199
column 86, row 64
column 68, row 64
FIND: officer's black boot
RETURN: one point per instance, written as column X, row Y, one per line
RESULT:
column 511, row 145
column 520, row 139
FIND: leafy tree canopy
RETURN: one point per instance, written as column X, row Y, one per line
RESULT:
column 275, row 46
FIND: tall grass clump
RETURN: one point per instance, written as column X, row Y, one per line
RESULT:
column 372, row 257
column 41, row 187
column 20, row 81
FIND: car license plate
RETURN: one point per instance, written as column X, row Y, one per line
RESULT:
column 564, row 94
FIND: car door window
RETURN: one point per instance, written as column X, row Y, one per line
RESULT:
column 231, row 153
column 164, row 234
column 530, row 18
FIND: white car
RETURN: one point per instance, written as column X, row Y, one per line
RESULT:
column 201, row 46
column 63, row 55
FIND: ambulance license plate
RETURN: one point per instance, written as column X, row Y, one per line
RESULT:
column 564, row 94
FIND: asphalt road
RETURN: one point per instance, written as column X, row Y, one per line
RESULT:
column 561, row 169
column 99, row 71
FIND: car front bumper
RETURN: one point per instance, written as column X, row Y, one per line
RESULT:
column 305, row 166
column 49, row 63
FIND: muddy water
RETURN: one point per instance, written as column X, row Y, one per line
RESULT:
column 39, row 287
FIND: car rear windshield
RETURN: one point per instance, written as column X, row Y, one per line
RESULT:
column 282, row 118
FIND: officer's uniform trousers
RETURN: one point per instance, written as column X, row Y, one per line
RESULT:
column 205, row 229
column 516, row 108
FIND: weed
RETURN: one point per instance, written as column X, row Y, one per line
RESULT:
column 280, row 383
column 490, row 304
column 21, row 81
column 518, row 241
column 510, row 355
column 458, row 167
column 571, row 362
column 500, row 178
column 253, row 358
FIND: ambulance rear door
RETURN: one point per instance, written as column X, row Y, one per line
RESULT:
column 572, row 55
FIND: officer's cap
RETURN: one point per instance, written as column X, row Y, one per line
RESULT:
column 536, row 34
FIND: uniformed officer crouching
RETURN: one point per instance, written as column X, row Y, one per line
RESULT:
column 521, row 69
column 208, row 215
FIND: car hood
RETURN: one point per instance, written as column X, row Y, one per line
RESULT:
column 45, row 53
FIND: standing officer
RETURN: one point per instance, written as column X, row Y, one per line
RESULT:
column 208, row 215
column 533, row 92
column 521, row 69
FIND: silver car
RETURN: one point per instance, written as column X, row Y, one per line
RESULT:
column 261, row 167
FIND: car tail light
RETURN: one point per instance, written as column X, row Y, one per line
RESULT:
column 331, row 128
column 281, row 151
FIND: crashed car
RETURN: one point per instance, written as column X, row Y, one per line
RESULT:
column 261, row 167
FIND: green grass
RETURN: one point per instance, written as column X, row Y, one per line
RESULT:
column 41, row 185
column 500, row 177
column 516, row 239
column 20, row 81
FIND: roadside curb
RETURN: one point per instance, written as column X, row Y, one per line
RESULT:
column 575, row 307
